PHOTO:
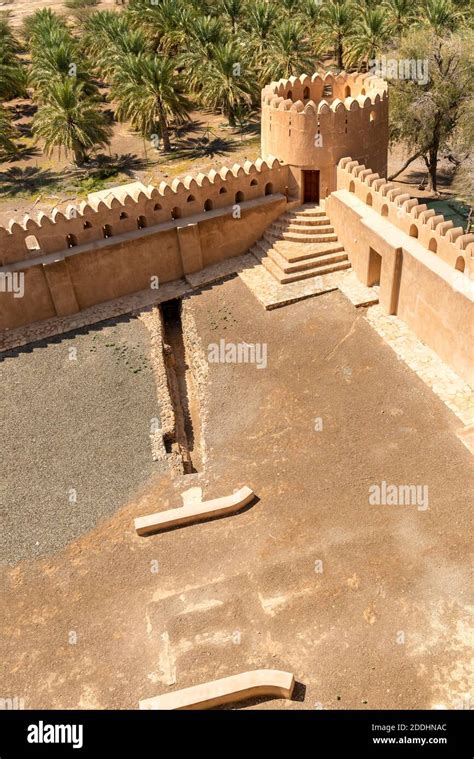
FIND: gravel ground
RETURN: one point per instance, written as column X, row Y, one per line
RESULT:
column 73, row 425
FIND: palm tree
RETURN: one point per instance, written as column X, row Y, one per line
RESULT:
column 7, row 41
column 101, row 29
column 166, row 24
column 370, row 32
column 173, row 21
column 402, row 14
column 227, row 85
column 110, row 46
column 311, row 10
column 58, row 63
column 233, row 9
column 42, row 26
column 131, row 42
column 150, row 94
column 206, row 32
column 288, row 52
column 259, row 22
column 12, row 74
column 7, row 133
column 205, row 37
column 108, row 37
column 69, row 119
column 441, row 16
column 12, row 78
column 290, row 7
column 336, row 23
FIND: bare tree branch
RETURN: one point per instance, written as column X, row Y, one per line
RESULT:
column 407, row 163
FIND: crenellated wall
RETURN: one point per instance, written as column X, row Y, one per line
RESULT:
column 425, row 289
column 115, row 242
column 130, row 207
column 312, row 122
column 437, row 235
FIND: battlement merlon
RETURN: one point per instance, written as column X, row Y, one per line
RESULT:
column 305, row 93
column 432, row 230
column 124, row 208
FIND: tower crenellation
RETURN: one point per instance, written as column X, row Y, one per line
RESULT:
column 312, row 122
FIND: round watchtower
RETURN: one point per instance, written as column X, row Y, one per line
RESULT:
column 311, row 123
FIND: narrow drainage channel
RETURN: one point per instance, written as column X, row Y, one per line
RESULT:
column 181, row 384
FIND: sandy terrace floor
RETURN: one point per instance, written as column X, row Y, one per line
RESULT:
column 383, row 625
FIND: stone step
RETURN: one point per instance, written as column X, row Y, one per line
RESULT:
column 298, row 223
column 304, row 232
column 304, row 220
column 309, row 211
column 301, row 244
column 294, row 251
column 311, row 263
column 325, row 234
column 283, row 278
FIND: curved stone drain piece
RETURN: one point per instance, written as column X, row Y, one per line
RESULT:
column 194, row 512
column 259, row 682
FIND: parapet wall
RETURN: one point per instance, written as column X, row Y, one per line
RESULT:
column 116, row 242
column 425, row 289
column 312, row 122
column 125, row 209
column 437, row 235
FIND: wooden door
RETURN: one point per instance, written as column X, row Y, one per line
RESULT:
column 311, row 186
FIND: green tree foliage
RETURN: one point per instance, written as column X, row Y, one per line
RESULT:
column 12, row 73
column 70, row 120
column 69, row 115
column 441, row 16
column 289, row 52
column 166, row 23
column 205, row 39
column 432, row 118
column 228, row 84
column 150, row 94
column 335, row 27
column 8, row 134
column 401, row 15
column 232, row 11
column 107, row 39
column 156, row 60
column 370, row 33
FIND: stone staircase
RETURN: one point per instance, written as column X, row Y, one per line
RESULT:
column 301, row 244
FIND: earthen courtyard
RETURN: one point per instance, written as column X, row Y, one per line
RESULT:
column 366, row 604
column 238, row 408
